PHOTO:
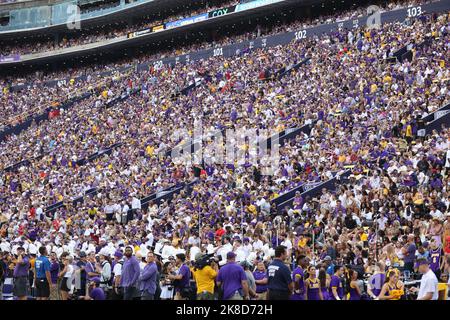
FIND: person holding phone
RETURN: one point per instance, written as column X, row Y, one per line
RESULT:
column 66, row 275
column 20, row 275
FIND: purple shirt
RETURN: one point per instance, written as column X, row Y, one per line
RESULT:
column 90, row 267
column 148, row 278
column 260, row 275
column 130, row 272
column 22, row 269
column 231, row 276
column 411, row 253
column 298, row 276
column 186, row 273
column 54, row 269
column 336, row 282
column 97, row 294
column 377, row 281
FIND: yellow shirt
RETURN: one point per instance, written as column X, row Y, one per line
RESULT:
column 373, row 88
column 409, row 131
column 302, row 243
column 252, row 209
column 150, row 150
column 387, row 78
column 205, row 279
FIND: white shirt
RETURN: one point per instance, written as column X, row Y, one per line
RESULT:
column 135, row 203
column 429, row 283
column 69, row 271
column 287, row 243
column 382, row 223
column 436, row 214
column 118, row 268
column 194, row 250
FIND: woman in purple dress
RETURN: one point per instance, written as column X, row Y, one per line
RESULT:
column 324, row 280
column 355, row 292
column 312, row 285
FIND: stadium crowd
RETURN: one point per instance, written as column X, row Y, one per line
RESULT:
column 226, row 38
column 386, row 222
column 105, row 32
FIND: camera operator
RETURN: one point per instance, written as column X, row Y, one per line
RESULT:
column 94, row 291
column 205, row 272
column 183, row 276
column 428, row 284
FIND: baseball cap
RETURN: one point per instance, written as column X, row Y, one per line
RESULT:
column 231, row 255
column 83, row 254
column 422, row 261
column 327, row 258
column 96, row 280
column 118, row 254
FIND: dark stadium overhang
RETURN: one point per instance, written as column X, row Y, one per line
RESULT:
column 123, row 14
column 127, row 43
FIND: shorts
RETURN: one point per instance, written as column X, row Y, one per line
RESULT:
column 42, row 288
column 205, row 295
column 277, row 295
column 109, row 216
column 21, row 286
column 63, row 286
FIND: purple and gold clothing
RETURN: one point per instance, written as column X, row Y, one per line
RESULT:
column 435, row 257
column 336, row 283
column 394, row 291
column 354, row 295
column 298, row 277
column 313, row 289
column 376, row 282
column 325, row 293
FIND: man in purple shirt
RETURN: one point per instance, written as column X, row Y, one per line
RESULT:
column 148, row 278
column 336, row 290
column 54, row 270
column 409, row 252
column 232, row 279
column 130, row 275
column 261, row 280
column 183, row 277
column 21, row 271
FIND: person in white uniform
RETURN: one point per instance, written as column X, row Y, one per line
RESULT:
column 428, row 284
